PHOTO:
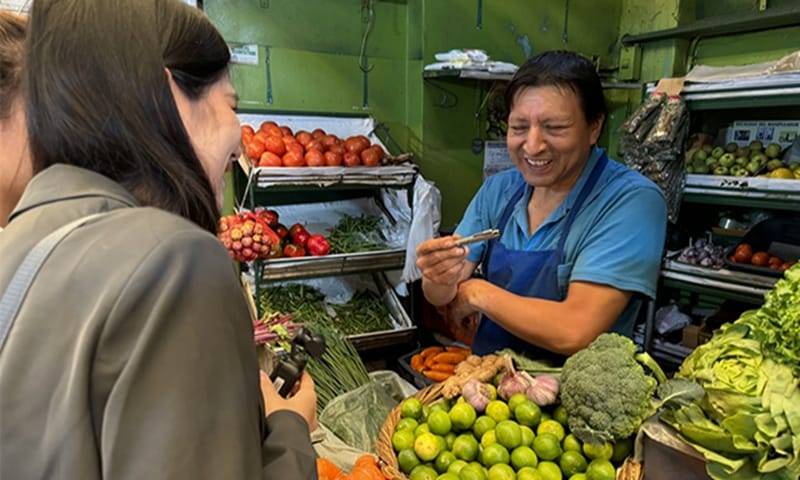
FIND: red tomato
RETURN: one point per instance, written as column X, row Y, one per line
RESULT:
column 247, row 138
column 301, row 238
column 744, row 247
column 379, row 150
column 293, row 159
column 281, row 231
column 318, row 245
column 275, row 145
column 318, row 133
column 742, row 256
column 247, row 129
column 369, row 158
column 773, row 260
column 364, row 141
column 262, row 137
column 333, row 159
column 269, row 159
column 315, row 158
column 329, row 140
column 337, row 149
column 254, row 149
column 353, row 145
column 351, row 159
column 271, row 129
column 315, row 145
column 296, row 148
column 760, row 259
column 303, row 137
column 293, row 251
column 267, row 124
column 286, row 131
column 297, row 227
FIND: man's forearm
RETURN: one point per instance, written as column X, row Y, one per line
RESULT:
column 438, row 294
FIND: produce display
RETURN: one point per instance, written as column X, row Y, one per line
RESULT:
column 357, row 234
column 744, row 255
column 277, row 146
column 733, row 160
column 703, row 253
column 439, row 363
column 747, row 425
column 495, row 433
column 258, row 235
column 293, row 304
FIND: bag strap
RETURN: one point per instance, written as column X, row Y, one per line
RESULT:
column 23, row 278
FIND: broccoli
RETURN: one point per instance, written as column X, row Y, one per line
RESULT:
column 606, row 392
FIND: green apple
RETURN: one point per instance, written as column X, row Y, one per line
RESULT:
column 717, row 152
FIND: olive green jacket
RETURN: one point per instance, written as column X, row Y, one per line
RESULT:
column 132, row 356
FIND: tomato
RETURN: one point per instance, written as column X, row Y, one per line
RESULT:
column 329, row 140
column 333, row 159
column 364, row 141
column 318, row 245
column 247, row 138
column 379, row 150
column 296, row 148
column 271, row 129
column 760, row 259
column 773, row 260
column 286, row 131
column 369, row 158
column 744, row 247
column 315, row 158
column 351, row 159
column 294, row 251
column 254, row 149
column 281, row 231
column 315, row 145
column 262, row 137
column 269, row 159
column 275, row 145
column 297, row 227
column 787, row 266
column 318, row 133
column 301, row 238
column 354, row 145
column 742, row 256
column 293, row 159
column 303, row 137
column 268, row 124
column 247, row 129
column 338, row 149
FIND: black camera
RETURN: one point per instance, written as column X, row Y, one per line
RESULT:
column 290, row 367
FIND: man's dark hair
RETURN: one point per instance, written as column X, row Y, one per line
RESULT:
column 12, row 38
column 98, row 96
column 561, row 69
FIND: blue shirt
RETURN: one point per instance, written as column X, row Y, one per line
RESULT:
column 617, row 238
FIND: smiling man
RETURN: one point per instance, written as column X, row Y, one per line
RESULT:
column 582, row 235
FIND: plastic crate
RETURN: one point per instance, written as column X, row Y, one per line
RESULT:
column 413, row 376
column 776, row 236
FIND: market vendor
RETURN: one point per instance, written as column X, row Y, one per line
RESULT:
column 581, row 235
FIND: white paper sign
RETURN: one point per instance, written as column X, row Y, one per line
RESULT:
column 495, row 158
column 245, row 54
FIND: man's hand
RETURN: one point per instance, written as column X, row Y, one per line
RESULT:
column 302, row 402
column 441, row 260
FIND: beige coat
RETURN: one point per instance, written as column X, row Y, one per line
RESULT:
column 132, row 356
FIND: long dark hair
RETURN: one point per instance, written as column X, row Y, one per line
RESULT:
column 98, row 95
column 12, row 37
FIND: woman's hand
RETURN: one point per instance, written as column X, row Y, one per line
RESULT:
column 302, row 402
column 441, row 260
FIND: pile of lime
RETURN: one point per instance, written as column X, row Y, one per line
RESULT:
column 514, row 440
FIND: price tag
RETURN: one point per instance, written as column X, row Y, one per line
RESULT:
column 245, row 54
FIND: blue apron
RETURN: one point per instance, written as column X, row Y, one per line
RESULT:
column 529, row 274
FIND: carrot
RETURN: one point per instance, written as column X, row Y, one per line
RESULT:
column 437, row 376
column 430, row 360
column 448, row 357
column 427, row 352
column 417, row 362
column 444, row 367
column 462, row 350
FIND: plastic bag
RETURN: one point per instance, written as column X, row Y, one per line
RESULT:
column 427, row 217
column 356, row 417
column 670, row 318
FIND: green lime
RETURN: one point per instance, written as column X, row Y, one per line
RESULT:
column 572, row 463
column 448, row 476
column 489, row 438
column 622, row 449
column 516, row 399
column 407, row 424
column 462, row 416
column 547, row 446
column 501, row 471
column 439, row 422
column 441, row 405
column 407, row 460
column 427, row 447
column 578, row 476
column 482, row 425
column 560, row 415
column 478, row 465
column 442, row 443
column 498, row 411
column 443, row 461
column 426, row 410
column 422, row 428
column 527, row 436
column 472, row 472
column 411, row 408
column 456, row 466
column 423, row 472
column 549, row 471
column 494, row 454
column 598, row 451
column 528, row 413
column 571, row 444
column 403, row 440
column 508, row 434
column 450, row 438
column 528, row 473
column 551, row 426
column 492, row 391
column 523, row 457
column 601, row 470
column 546, row 416
column 465, row 447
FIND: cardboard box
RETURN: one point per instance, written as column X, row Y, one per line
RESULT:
column 694, row 335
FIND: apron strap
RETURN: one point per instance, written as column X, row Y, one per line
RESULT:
column 594, row 176
column 501, row 225
column 23, row 278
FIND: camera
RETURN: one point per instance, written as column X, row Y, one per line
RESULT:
column 290, row 367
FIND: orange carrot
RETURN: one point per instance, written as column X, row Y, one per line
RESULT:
column 417, row 362
column 431, row 351
column 436, row 376
column 444, row 367
column 461, row 350
column 448, row 357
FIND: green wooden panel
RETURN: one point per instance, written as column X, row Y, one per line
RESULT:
column 756, row 47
